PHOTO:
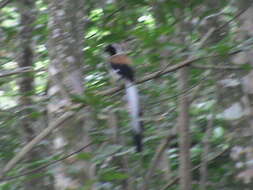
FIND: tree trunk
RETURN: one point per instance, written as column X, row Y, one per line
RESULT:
column 66, row 26
column 26, row 90
column 246, row 101
column 184, row 134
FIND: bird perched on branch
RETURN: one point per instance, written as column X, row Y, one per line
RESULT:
column 121, row 65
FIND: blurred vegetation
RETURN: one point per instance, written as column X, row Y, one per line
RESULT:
column 152, row 33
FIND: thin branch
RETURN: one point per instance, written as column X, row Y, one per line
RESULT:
column 184, row 92
column 205, row 37
column 106, row 20
column 158, row 74
column 195, row 93
column 198, row 46
column 200, row 82
column 183, row 125
column 108, row 17
column 4, row 3
column 206, row 143
column 235, row 17
column 123, row 161
column 145, row 78
column 183, row 121
column 156, row 159
column 6, row 73
column 216, row 67
column 175, row 180
column 231, row 20
column 35, row 141
column 46, row 165
column 67, row 115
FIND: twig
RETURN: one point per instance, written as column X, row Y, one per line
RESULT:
column 206, row 143
column 201, row 43
column 21, row 70
column 67, row 115
column 114, row 12
column 4, row 3
column 232, row 19
column 235, row 17
column 163, row 72
column 155, row 161
column 216, row 67
column 35, row 141
column 184, row 119
column 184, row 92
column 123, row 161
column 106, row 20
column 45, row 166
column 175, row 180
column 205, row 37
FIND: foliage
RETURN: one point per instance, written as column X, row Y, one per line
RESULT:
column 150, row 30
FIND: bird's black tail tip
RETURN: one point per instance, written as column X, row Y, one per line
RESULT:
column 138, row 142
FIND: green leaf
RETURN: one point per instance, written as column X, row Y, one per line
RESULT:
column 78, row 98
column 112, row 175
column 247, row 67
column 35, row 114
column 88, row 185
column 5, row 186
column 85, row 156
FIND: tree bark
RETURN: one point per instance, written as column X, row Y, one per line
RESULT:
column 206, row 146
column 245, row 126
column 26, row 89
column 66, row 43
column 184, row 134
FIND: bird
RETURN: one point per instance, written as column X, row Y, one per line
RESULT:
column 121, row 65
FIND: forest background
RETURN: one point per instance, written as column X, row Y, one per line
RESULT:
column 63, row 120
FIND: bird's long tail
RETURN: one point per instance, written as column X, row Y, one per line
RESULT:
column 134, row 110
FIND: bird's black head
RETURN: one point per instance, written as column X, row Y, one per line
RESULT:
column 111, row 49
